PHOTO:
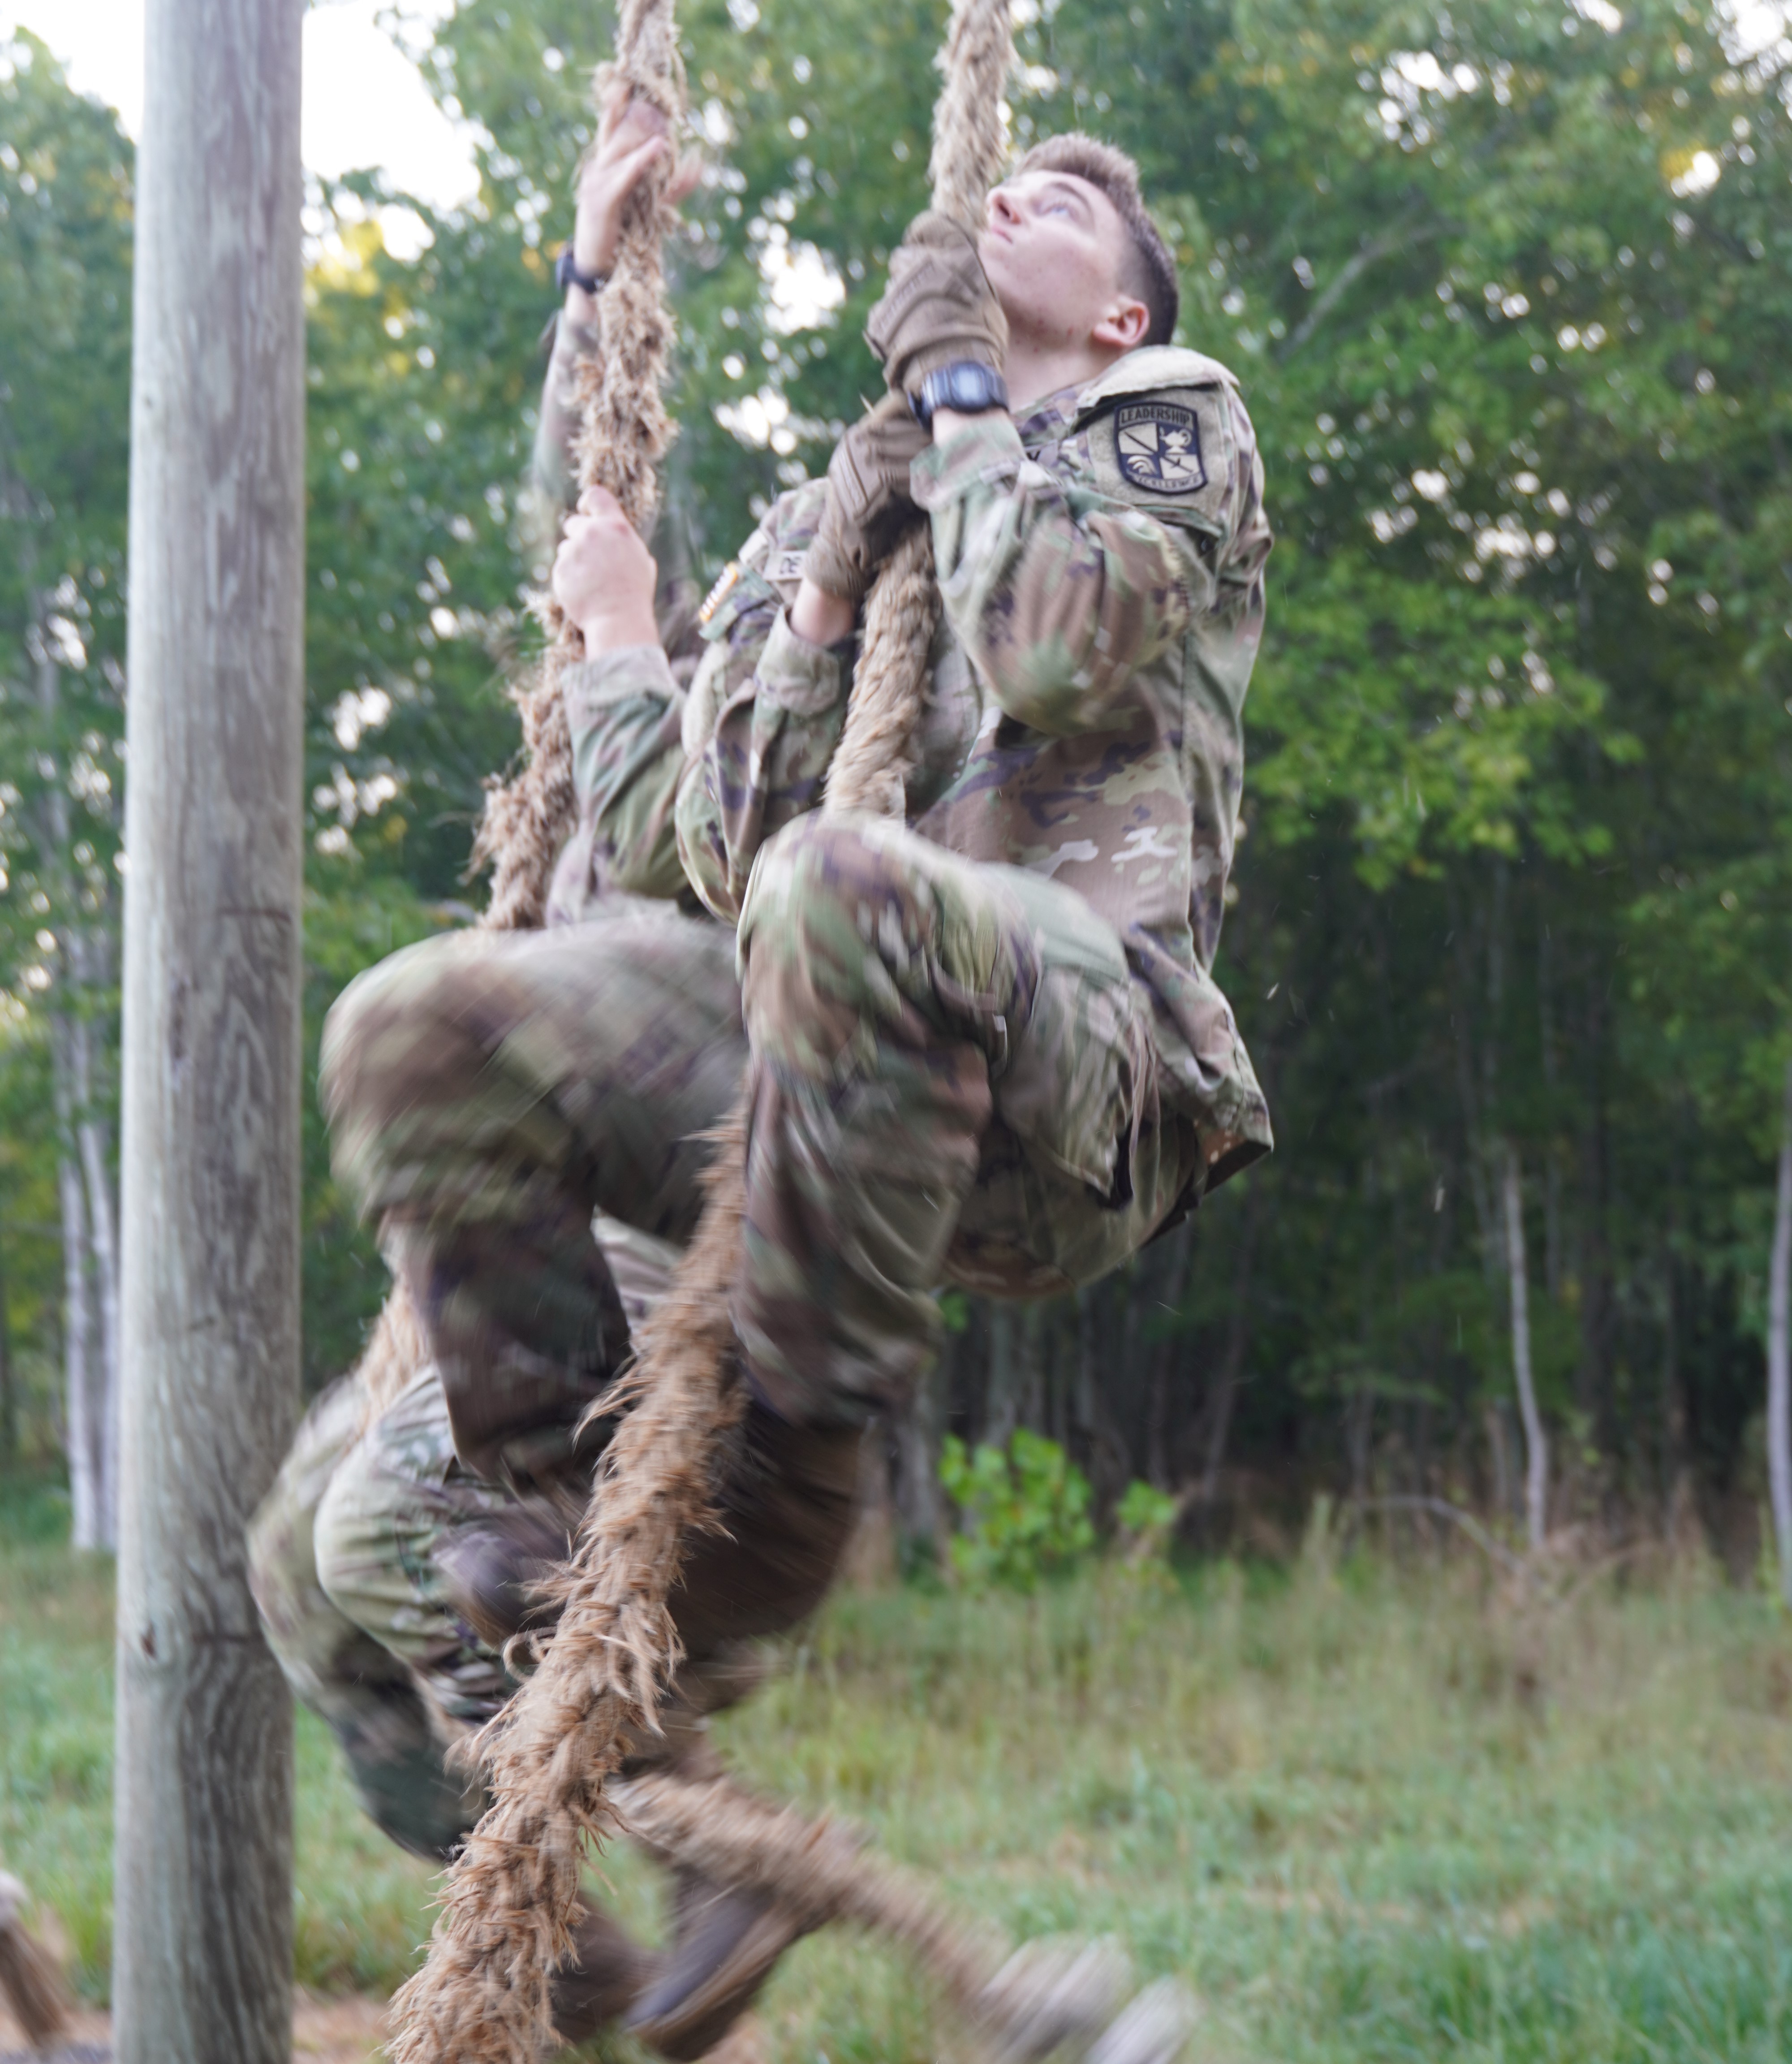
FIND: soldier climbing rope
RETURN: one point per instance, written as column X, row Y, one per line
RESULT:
column 551, row 1759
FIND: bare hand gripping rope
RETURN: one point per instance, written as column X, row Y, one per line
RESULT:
column 551, row 1757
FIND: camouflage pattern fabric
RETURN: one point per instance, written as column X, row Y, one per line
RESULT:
column 1101, row 565
column 391, row 1500
column 985, row 1049
column 339, row 1666
column 551, row 485
column 953, row 1077
column 487, row 1093
column 356, row 1552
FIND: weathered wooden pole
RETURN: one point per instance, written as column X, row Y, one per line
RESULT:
column 202, row 1968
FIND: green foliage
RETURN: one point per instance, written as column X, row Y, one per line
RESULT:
column 1146, row 1515
column 65, row 354
column 1507, row 288
column 1444, row 1836
column 1023, row 1510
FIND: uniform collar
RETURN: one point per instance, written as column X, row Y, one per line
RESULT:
column 1048, row 419
column 1142, row 372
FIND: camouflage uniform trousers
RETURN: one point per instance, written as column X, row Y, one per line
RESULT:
column 950, row 1078
column 344, row 1561
column 340, row 1564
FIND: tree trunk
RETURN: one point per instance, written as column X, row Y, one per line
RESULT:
column 1109, row 1462
column 918, row 1433
column 1238, row 1339
column 202, row 1954
column 1501, row 1469
column 1360, row 1421
column 1165, row 1356
column 90, row 1219
column 1032, row 1407
column 103, row 1402
column 89, row 1285
column 77, row 1359
column 1779, row 1351
column 1675, row 1450
column 869, row 1561
column 1597, row 1305
column 1536, row 1451
column 1001, row 1404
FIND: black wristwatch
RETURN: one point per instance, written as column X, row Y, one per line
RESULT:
column 566, row 274
column 967, row 386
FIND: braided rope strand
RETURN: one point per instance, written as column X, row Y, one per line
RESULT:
column 512, row 1896
column 624, row 434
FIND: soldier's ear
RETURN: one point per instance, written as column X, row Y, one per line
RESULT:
column 1123, row 323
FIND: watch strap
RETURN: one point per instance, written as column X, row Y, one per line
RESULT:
column 566, row 274
column 966, row 386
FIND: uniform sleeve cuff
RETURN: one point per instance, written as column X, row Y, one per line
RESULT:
column 987, row 448
column 593, row 685
column 794, row 675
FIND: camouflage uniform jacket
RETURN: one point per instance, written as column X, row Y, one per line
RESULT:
column 1101, row 562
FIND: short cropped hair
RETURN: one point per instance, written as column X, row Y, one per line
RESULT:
column 1150, row 273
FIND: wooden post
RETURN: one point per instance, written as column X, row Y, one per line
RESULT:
column 202, row 1969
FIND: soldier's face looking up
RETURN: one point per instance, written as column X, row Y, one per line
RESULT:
column 1053, row 246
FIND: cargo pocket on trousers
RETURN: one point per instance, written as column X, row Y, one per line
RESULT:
column 1081, row 1071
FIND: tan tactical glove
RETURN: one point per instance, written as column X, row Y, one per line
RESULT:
column 939, row 308
column 869, row 504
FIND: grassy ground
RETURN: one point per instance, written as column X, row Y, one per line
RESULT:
column 1366, row 1814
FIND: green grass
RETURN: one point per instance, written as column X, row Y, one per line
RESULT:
column 1366, row 1816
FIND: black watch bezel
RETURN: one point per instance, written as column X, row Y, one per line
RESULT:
column 566, row 274
column 966, row 386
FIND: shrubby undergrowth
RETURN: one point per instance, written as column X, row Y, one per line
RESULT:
column 1368, row 1811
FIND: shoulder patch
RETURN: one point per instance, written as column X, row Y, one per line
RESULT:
column 1156, row 447
column 1169, row 453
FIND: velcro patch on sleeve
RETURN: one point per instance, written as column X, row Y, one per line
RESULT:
column 1169, row 453
column 1157, row 447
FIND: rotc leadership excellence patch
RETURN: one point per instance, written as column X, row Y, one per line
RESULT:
column 1158, row 447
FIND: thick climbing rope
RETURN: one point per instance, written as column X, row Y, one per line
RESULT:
column 512, row 1894
column 551, row 1759
column 624, row 433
